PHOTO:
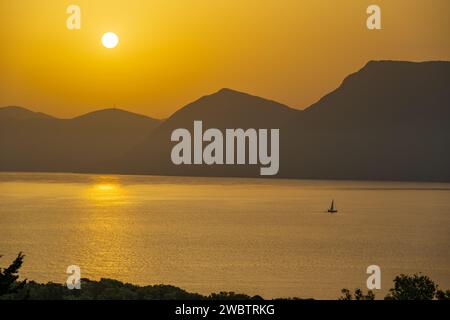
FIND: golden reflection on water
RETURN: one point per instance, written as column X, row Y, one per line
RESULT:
column 106, row 190
column 106, row 224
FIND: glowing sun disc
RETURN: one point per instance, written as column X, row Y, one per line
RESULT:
column 110, row 40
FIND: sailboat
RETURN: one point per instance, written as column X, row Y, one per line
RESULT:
column 332, row 209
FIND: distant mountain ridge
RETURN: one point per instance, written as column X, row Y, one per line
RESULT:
column 16, row 113
column 387, row 121
column 31, row 141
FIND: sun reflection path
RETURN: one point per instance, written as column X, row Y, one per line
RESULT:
column 107, row 191
column 105, row 244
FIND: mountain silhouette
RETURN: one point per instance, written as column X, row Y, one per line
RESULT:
column 228, row 108
column 387, row 121
column 32, row 141
column 391, row 93
column 18, row 113
column 224, row 109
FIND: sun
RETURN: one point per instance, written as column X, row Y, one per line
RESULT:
column 110, row 40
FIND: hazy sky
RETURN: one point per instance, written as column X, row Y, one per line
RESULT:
column 172, row 52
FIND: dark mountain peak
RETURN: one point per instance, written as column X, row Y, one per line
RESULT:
column 401, row 63
column 104, row 112
column 14, row 109
column 20, row 113
column 379, row 77
column 394, row 93
column 112, row 115
column 378, row 63
column 239, row 96
column 230, row 93
column 230, row 107
column 394, row 70
column 229, row 100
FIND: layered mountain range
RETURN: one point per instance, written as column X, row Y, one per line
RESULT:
column 388, row 121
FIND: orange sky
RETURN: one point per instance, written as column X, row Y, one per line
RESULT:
column 172, row 52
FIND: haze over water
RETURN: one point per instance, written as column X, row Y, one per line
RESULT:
column 256, row 236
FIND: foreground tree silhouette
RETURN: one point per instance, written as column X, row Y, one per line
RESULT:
column 415, row 287
column 9, row 276
column 443, row 295
column 406, row 287
column 357, row 295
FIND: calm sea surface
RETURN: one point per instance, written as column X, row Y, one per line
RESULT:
column 267, row 237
